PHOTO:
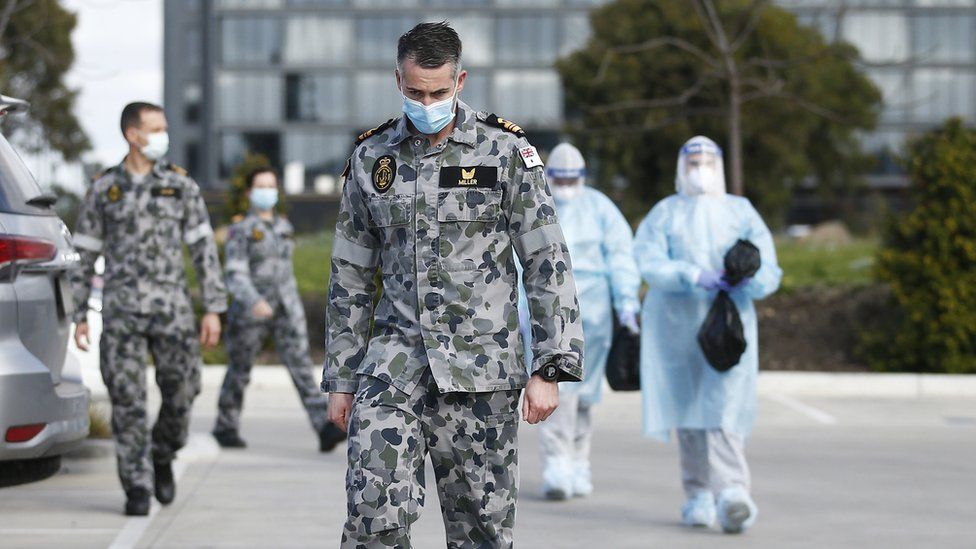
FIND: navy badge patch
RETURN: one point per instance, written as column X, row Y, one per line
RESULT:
column 384, row 171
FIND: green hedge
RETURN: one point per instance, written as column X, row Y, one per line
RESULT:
column 928, row 258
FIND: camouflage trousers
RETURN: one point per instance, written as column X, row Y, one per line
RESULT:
column 472, row 439
column 171, row 337
column 243, row 338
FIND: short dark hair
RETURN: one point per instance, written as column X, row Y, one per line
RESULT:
column 430, row 45
column 249, row 181
column 132, row 114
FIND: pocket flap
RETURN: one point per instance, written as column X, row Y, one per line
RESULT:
column 469, row 205
column 389, row 211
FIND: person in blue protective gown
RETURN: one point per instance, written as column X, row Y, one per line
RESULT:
column 680, row 248
column 601, row 249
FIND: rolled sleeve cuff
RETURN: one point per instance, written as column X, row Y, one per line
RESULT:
column 340, row 386
column 539, row 238
column 216, row 307
column 86, row 242
column 569, row 367
column 356, row 254
column 197, row 233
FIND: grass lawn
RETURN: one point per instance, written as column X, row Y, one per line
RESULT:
column 805, row 265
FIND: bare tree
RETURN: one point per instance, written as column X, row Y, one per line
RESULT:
column 744, row 80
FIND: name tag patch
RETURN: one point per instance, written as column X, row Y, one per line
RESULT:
column 167, row 192
column 476, row 177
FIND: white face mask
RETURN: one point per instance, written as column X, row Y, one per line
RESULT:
column 157, row 145
column 565, row 193
column 702, row 180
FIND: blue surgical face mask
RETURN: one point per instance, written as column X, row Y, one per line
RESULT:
column 430, row 119
column 264, row 199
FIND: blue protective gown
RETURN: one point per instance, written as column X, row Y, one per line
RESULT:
column 681, row 236
column 601, row 249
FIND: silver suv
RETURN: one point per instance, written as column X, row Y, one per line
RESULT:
column 43, row 403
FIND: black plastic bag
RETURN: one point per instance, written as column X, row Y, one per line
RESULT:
column 741, row 261
column 623, row 362
column 721, row 336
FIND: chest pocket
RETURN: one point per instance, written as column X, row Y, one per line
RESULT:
column 167, row 207
column 469, row 205
column 389, row 211
column 468, row 220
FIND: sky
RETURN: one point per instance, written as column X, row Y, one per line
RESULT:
column 118, row 58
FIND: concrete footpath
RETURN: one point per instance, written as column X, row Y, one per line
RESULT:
column 877, row 464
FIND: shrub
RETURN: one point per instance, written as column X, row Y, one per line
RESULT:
column 928, row 258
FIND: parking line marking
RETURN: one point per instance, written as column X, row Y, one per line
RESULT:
column 55, row 531
column 199, row 447
column 813, row 413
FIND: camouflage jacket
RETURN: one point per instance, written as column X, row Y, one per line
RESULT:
column 443, row 226
column 257, row 263
column 140, row 229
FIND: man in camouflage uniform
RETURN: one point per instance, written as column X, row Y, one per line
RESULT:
column 137, row 215
column 258, row 263
column 440, row 202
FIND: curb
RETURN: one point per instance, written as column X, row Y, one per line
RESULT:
column 807, row 384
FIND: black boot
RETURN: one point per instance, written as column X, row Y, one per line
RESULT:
column 330, row 436
column 165, row 484
column 137, row 502
column 229, row 439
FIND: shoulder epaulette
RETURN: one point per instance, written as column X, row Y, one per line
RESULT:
column 102, row 173
column 237, row 218
column 499, row 122
column 177, row 169
column 369, row 133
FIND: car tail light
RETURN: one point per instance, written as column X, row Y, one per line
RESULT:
column 23, row 433
column 23, row 249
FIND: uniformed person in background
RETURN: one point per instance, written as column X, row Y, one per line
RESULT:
column 138, row 214
column 264, row 298
column 440, row 202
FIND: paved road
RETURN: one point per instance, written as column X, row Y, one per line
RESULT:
column 849, row 472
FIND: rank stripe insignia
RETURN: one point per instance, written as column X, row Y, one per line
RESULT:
column 369, row 133
column 499, row 122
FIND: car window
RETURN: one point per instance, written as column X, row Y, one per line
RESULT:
column 17, row 185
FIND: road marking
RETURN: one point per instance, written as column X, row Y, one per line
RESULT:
column 56, row 531
column 199, row 448
column 805, row 409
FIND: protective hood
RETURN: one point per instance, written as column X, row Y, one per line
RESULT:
column 700, row 168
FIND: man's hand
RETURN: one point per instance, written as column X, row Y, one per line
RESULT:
column 261, row 310
column 210, row 329
column 541, row 399
column 340, row 404
column 81, row 336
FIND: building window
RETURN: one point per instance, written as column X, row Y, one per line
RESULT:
column 476, row 36
column 316, row 3
column 316, row 98
column 576, row 31
column 377, row 98
column 235, row 146
column 527, row 39
column 377, row 37
column 895, row 93
column 384, row 3
column 476, row 91
column 192, row 96
column 319, row 153
column 528, row 97
column 943, row 39
column 880, row 36
column 318, row 40
column 249, row 98
column 251, row 40
column 453, row 3
column 533, row 3
column 248, row 4
column 942, row 93
column 191, row 157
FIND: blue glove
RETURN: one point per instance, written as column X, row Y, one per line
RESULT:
column 712, row 280
column 741, row 284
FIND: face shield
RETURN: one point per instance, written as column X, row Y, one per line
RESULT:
column 700, row 168
column 566, row 170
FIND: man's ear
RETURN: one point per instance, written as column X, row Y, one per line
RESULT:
column 132, row 135
column 396, row 73
column 462, row 76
